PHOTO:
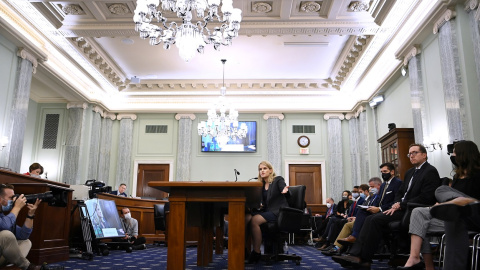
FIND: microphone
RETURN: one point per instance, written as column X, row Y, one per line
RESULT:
column 46, row 173
column 256, row 178
column 236, row 173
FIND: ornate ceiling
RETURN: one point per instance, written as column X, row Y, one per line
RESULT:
column 291, row 55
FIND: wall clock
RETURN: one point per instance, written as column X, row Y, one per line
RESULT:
column 303, row 141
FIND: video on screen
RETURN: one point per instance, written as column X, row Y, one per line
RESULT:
column 247, row 144
column 105, row 219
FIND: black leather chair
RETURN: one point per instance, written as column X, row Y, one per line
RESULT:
column 288, row 222
column 159, row 218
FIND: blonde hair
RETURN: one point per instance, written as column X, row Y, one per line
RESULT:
column 271, row 176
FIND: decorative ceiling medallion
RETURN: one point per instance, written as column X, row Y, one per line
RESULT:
column 358, row 6
column 73, row 9
column 118, row 9
column 310, row 6
column 262, row 7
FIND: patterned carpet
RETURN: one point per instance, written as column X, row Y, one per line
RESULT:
column 154, row 258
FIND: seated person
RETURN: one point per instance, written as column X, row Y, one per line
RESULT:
column 121, row 190
column 340, row 212
column 466, row 161
column 331, row 210
column 131, row 230
column 35, row 170
column 14, row 241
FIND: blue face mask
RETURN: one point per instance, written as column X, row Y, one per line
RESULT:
column 374, row 191
column 8, row 207
column 362, row 195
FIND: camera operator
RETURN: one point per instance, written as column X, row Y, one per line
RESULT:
column 131, row 230
column 14, row 243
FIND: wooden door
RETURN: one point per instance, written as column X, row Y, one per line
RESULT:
column 151, row 172
column 309, row 175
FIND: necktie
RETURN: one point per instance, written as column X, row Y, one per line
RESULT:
column 409, row 184
column 353, row 208
column 383, row 193
column 329, row 212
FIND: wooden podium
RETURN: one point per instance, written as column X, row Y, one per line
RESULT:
column 51, row 224
column 199, row 202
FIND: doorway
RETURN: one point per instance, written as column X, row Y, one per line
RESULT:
column 151, row 172
column 310, row 175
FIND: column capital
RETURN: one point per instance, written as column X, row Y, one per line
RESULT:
column 359, row 110
column 179, row 116
column 112, row 116
column 471, row 5
column 349, row 116
column 98, row 109
column 24, row 54
column 412, row 52
column 329, row 116
column 82, row 105
column 273, row 115
column 446, row 16
column 121, row 116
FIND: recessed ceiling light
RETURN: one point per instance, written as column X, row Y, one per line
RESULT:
column 128, row 41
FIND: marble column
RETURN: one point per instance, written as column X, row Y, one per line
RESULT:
column 474, row 15
column 274, row 140
column 94, row 152
column 76, row 118
column 451, row 77
column 363, row 145
column 184, row 147
column 125, row 144
column 353, row 130
column 27, row 64
column 335, row 179
column 105, row 147
column 412, row 59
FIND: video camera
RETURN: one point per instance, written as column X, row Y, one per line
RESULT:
column 96, row 187
column 53, row 198
column 451, row 146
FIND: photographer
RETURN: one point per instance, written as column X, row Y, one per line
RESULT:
column 131, row 230
column 14, row 243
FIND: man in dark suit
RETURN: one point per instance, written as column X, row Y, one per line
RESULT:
column 331, row 211
column 382, row 201
column 121, row 190
column 418, row 187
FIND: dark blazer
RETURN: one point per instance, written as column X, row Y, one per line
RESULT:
column 334, row 210
column 422, row 191
column 116, row 193
column 275, row 198
column 390, row 193
column 355, row 209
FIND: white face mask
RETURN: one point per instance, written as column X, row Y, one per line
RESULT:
column 329, row 205
column 128, row 216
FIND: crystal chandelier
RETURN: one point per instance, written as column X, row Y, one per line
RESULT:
column 222, row 126
column 189, row 38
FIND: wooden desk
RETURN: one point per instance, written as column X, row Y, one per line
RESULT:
column 203, row 199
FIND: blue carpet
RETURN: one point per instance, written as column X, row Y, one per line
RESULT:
column 155, row 257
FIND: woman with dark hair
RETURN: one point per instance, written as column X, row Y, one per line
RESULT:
column 465, row 158
column 35, row 170
column 274, row 196
column 460, row 204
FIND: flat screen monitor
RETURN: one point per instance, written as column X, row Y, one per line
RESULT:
column 105, row 219
column 245, row 145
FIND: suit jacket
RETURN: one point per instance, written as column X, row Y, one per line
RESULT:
column 354, row 207
column 275, row 198
column 424, row 184
column 390, row 193
column 334, row 210
column 121, row 194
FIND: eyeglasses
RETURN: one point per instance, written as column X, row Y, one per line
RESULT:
column 411, row 154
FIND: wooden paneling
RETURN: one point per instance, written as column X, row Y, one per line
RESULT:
column 151, row 172
column 51, row 224
column 310, row 176
column 394, row 147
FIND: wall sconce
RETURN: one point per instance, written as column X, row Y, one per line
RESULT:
column 404, row 70
column 432, row 145
column 375, row 101
column 3, row 142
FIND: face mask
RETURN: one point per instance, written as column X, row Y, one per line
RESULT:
column 386, row 176
column 329, row 205
column 128, row 216
column 8, row 207
column 374, row 190
column 362, row 195
column 453, row 160
column 344, row 198
column 355, row 195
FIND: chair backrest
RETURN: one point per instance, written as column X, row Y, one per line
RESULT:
column 297, row 197
column 159, row 216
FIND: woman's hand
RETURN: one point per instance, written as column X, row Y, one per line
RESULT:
column 285, row 190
